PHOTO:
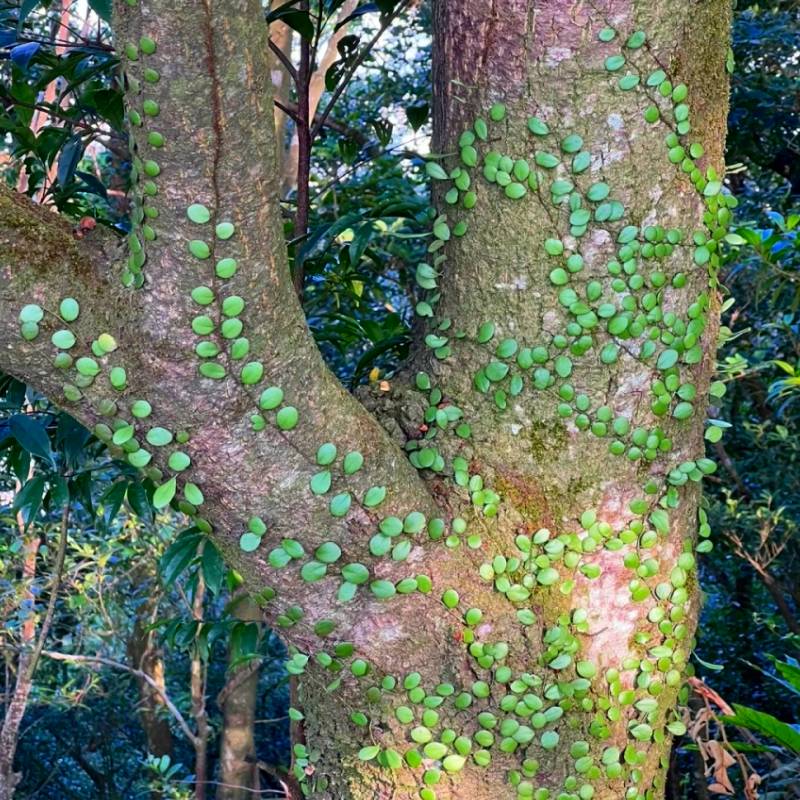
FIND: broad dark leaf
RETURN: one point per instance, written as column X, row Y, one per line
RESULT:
column 322, row 237
column 68, row 160
column 25, row 9
column 71, row 437
column 139, row 501
column 779, row 732
column 28, row 500
column 31, row 434
column 299, row 21
column 58, row 496
column 23, row 54
column 367, row 8
column 179, row 555
column 417, row 115
column 111, row 500
column 244, row 639
column 102, row 8
column 213, row 566
column 93, row 185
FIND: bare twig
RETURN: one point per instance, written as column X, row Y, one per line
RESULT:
column 108, row 662
column 281, row 56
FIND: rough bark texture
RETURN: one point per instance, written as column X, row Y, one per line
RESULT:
column 533, row 642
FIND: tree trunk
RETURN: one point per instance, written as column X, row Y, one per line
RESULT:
column 281, row 36
column 198, row 673
column 23, row 683
column 145, row 654
column 512, row 618
column 632, row 581
column 239, row 774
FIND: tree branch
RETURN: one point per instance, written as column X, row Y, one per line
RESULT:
column 351, row 70
column 281, row 56
column 108, row 662
column 206, row 139
column 43, row 262
column 58, row 569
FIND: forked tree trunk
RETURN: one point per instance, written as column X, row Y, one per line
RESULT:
column 533, row 643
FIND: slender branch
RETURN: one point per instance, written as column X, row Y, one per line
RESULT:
column 58, row 568
column 237, row 679
column 351, row 70
column 304, row 140
column 271, row 792
column 289, row 783
column 107, row 662
column 288, row 108
column 281, row 56
column 197, row 691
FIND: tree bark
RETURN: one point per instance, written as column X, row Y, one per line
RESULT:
column 239, row 773
column 198, row 674
column 533, row 643
column 145, row 654
column 23, row 683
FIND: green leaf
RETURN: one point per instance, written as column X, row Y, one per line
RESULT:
column 328, row 552
column 435, row 171
column 368, row 753
column 355, row 573
column 321, row 482
column 31, row 435
column 790, row 672
column 780, row 732
column 313, row 571
column 340, row 504
column 179, row 555
column 164, row 493
column 374, row 496
column 213, row 566
column 708, row 665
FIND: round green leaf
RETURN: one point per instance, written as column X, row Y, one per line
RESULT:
column 340, row 504
column 249, row 542
column 287, row 418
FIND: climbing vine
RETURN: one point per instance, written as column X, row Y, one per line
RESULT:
column 636, row 308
